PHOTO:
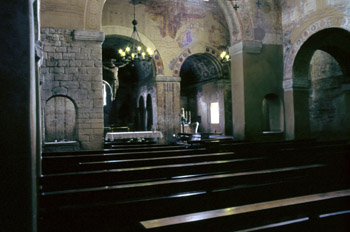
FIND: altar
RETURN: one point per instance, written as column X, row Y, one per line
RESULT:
column 135, row 135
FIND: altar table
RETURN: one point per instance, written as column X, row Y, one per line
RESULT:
column 111, row 136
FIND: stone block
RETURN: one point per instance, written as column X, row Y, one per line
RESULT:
column 95, row 95
column 94, row 70
column 70, row 70
column 84, row 126
column 74, row 49
column 56, row 70
column 98, row 103
column 68, row 56
column 85, row 85
column 87, row 131
column 70, row 84
column 98, row 64
column 87, row 63
column 83, row 115
column 63, row 63
column 99, row 130
column 83, row 137
column 54, row 55
column 96, row 85
column 61, row 49
column 84, row 103
column 51, row 63
column 81, row 76
column 81, row 56
column 49, row 85
column 96, row 115
column 49, row 48
column 62, row 77
column 75, row 63
column 80, row 96
column 59, row 91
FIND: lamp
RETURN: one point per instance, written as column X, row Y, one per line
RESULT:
column 134, row 51
column 225, row 57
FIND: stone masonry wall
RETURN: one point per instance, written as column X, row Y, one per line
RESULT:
column 72, row 67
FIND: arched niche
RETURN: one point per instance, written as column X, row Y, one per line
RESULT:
column 141, row 114
column 60, row 119
column 273, row 117
column 149, row 112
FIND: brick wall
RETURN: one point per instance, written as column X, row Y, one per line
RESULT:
column 72, row 67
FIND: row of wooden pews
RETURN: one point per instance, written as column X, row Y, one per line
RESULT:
column 212, row 185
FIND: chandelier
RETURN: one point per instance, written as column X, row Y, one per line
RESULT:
column 135, row 50
column 225, row 57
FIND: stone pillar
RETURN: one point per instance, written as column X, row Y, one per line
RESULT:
column 238, row 75
column 296, row 100
column 72, row 68
column 225, row 100
column 18, row 117
column 168, row 106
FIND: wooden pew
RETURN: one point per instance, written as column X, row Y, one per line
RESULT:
column 145, row 199
column 303, row 212
column 104, row 173
column 119, row 148
column 62, row 163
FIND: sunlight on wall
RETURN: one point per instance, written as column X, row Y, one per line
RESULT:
column 214, row 113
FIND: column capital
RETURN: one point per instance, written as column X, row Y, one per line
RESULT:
column 296, row 83
column 161, row 78
column 252, row 47
column 96, row 36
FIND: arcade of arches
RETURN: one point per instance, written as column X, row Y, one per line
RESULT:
column 287, row 78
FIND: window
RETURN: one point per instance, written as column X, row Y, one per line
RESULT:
column 214, row 113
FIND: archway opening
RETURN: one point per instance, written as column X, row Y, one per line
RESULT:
column 323, row 61
column 127, row 81
column 203, row 86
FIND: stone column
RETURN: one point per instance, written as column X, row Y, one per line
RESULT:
column 18, row 117
column 296, row 100
column 168, row 106
column 72, row 68
column 238, row 84
column 225, row 100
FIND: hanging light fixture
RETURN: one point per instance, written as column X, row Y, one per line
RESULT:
column 225, row 57
column 135, row 51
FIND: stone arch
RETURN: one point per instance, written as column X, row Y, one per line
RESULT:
column 126, row 32
column 291, row 50
column 212, row 52
column 232, row 20
column 93, row 14
column 323, row 35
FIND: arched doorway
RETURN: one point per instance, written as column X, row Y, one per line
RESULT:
column 205, row 89
column 321, row 85
column 60, row 119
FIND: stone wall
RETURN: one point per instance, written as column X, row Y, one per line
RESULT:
column 72, row 67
